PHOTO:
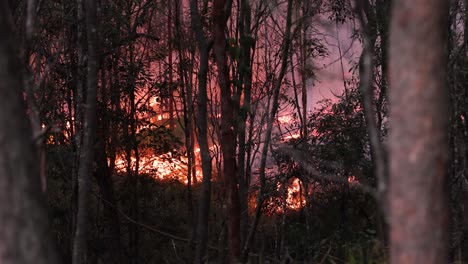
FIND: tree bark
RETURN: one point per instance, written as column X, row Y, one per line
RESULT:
column 205, row 197
column 89, row 134
column 418, row 141
column 24, row 235
column 245, row 73
column 202, row 136
column 228, row 127
column 111, row 231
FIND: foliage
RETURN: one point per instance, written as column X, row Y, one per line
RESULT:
column 339, row 135
column 160, row 140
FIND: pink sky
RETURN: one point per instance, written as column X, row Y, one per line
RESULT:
column 330, row 78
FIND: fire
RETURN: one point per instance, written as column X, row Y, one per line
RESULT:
column 295, row 198
column 161, row 167
column 284, row 119
column 292, row 136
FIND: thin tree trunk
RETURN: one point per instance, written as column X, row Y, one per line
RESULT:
column 270, row 119
column 305, row 68
column 103, row 175
column 245, row 70
column 186, row 94
column 170, row 50
column 24, row 235
column 366, row 87
column 202, row 125
column 205, row 197
column 418, row 141
column 78, row 120
column 89, row 134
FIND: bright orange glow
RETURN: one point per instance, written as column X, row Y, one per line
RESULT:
column 293, row 136
column 295, row 198
column 284, row 119
column 163, row 167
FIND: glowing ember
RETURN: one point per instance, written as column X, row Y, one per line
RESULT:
column 353, row 179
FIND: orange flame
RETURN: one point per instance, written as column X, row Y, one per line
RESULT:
column 295, row 198
column 162, row 167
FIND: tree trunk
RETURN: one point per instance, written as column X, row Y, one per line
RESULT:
column 228, row 127
column 418, row 141
column 24, row 235
column 89, row 134
column 270, row 119
column 205, row 196
column 245, row 73
column 202, row 125
column 111, row 216
column 111, row 228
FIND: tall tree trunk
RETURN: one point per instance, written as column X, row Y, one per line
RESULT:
column 24, row 236
column 78, row 99
column 418, row 141
column 134, row 210
column 89, row 134
column 228, row 127
column 187, row 102
column 111, row 231
column 205, row 197
column 306, row 69
column 245, row 72
column 202, row 125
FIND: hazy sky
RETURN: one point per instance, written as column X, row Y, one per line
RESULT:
column 328, row 70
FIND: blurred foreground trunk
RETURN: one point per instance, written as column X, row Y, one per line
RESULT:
column 24, row 236
column 418, row 141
